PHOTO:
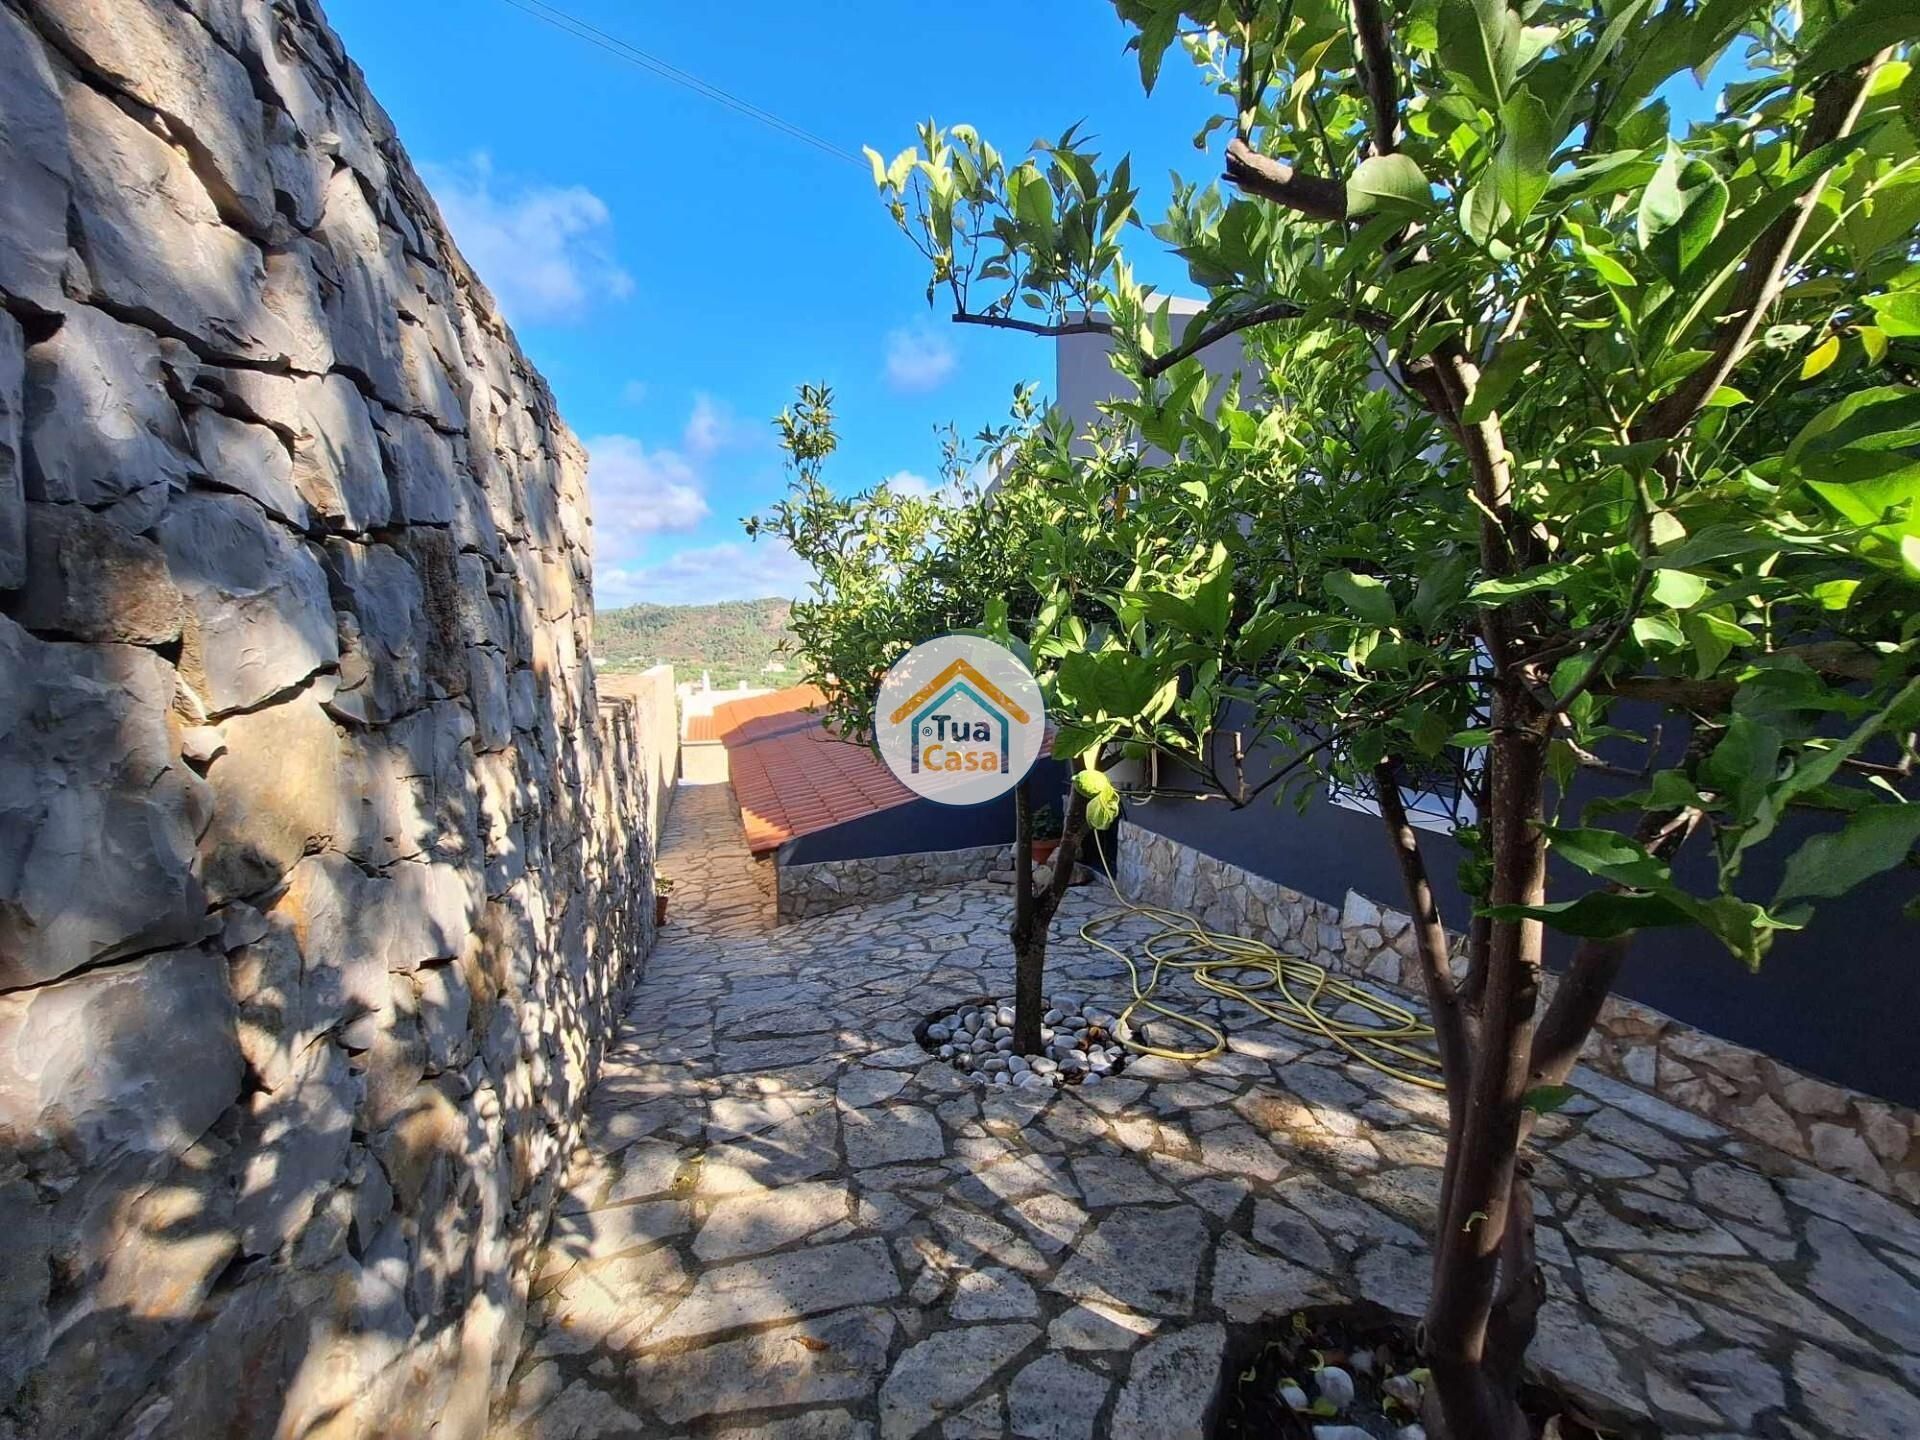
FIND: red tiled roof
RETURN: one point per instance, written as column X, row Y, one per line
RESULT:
column 792, row 777
column 792, row 704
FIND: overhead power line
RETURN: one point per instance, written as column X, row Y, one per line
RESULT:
column 634, row 55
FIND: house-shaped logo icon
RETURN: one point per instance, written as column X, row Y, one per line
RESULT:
column 959, row 719
column 959, row 704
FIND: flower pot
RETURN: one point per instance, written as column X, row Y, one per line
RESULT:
column 1043, row 850
column 659, row 910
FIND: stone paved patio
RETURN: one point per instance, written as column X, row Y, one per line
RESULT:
column 784, row 1223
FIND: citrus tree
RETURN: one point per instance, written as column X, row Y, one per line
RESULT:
column 1123, row 611
column 1570, row 425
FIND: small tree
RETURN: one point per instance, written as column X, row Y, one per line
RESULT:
column 893, row 570
column 1643, row 428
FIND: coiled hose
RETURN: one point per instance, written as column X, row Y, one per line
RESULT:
column 1283, row 988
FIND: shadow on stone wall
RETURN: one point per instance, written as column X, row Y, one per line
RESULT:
column 324, row 868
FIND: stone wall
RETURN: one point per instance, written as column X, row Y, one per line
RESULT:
column 650, row 702
column 323, row 868
column 1842, row 1131
column 704, row 762
column 808, row 891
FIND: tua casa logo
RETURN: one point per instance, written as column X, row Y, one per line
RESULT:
column 959, row 720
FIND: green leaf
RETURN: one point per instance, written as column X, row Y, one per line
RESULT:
column 1860, row 33
column 1608, row 268
column 1071, row 740
column 1388, row 183
column 1680, row 212
column 1608, row 854
column 1364, row 595
column 1820, row 357
column 1523, row 164
column 1874, row 839
column 875, row 159
column 1621, row 24
column 1033, row 203
column 1482, row 211
column 1665, row 529
column 1480, row 46
column 1677, row 589
column 1499, row 378
column 1712, row 639
column 902, row 168
column 1527, row 582
column 1103, row 801
column 1157, row 33
column 1898, row 314
column 1884, row 417
column 1834, row 594
column 1600, row 914
column 1213, row 601
column 1442, row 585
column 1866, row 486
column 1111, row 683
column 1744, row 763
column 1545, row 1099
column 1730, row 249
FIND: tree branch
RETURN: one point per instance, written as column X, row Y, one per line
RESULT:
column 1073, row 830
column 1372, row 321
column 1034, row 327
column 1570, row 1015
column 1833, row 659
column 1373, row 43
column 1449, row 1020
column 1837, row 103
column 1311, row 195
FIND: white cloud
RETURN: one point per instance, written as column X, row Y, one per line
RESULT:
column 634, row 392
column 642, row 492
column 544, row 250
column 730, row 570
column 906, row 482
column 918, row 359
column 639, row 492
column 712, row 427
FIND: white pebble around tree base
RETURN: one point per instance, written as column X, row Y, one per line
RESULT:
column 1081, row 1043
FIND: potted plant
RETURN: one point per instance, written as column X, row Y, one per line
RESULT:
column 1046, row 834
column 662, row 887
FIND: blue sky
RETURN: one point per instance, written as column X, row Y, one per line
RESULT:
column 676, row 269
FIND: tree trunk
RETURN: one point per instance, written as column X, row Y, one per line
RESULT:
column 1029, row 937
column 1485, row 1283
column 1033, row 912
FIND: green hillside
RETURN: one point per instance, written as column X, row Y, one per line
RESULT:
column 732, row 641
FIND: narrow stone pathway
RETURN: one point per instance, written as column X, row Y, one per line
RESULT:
column 719, row 889
column 785, row 1222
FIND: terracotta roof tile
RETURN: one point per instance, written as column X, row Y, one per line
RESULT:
column 777, row 709
column 794, row 779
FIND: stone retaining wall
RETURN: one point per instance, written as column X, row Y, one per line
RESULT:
column 323, row 867
column 808, row 891
column 704, row 762
column 1841, row 1130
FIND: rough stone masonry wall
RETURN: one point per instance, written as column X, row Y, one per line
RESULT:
column 807, row 892
column 322, row 866
column 1842, row 1131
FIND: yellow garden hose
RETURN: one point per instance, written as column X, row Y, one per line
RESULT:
column 1283, row 988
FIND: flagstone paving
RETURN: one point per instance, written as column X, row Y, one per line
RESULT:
column 785, row 1222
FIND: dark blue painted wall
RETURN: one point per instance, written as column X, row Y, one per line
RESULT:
column 1838, row 999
